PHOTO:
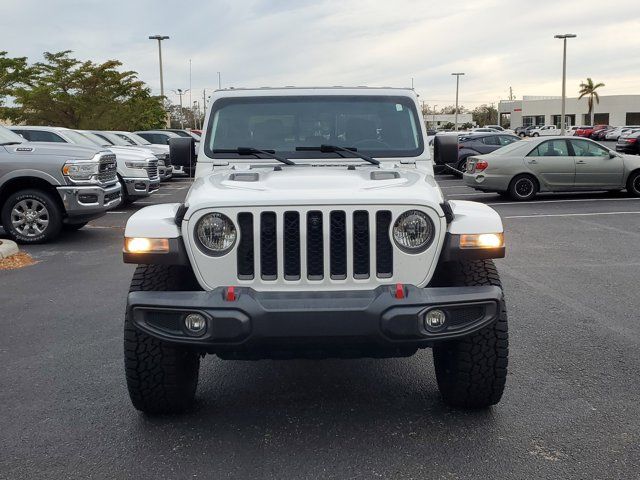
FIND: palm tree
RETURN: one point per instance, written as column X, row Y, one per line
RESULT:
column 588, row 89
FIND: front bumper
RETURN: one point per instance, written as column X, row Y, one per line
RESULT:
column 81, row 202
column 140, row 187
column 165, row 173
column 353, row 323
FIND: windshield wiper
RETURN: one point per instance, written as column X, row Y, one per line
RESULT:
column 337, row 149
column 10, row 143
column 254, row 151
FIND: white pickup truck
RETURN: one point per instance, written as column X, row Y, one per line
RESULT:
column 545, row 131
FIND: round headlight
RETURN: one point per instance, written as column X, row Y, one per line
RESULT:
column 413, row 231
column 216, row 234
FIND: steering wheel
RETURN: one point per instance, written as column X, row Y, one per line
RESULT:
column 370, row 143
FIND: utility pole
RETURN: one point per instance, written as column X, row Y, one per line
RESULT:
column 204, row 103
column 160, row 38
column 564, row 77
column 219, row 81
column 511, row 93
column 193, row 114
column 434, row 115
column 180, row 92
column 457, row 75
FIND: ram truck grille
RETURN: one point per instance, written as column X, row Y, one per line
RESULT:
column 107, row 170
column 152, row 169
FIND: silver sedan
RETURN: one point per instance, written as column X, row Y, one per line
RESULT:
column 553, row 164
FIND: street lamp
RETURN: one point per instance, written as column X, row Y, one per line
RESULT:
column 564, row 77
column 457, row 75
column 159, row 38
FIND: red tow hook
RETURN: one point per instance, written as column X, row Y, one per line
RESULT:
column 231, row 294
column 400, row 291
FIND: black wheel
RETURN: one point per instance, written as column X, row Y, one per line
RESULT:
column 535, row 135
column 472, row 371
column 125, row 198
column 523, row 187
column 73, row 227
column 522, row 134
column 633, row 184
column 462, row 166
column 161, row 377
column 31, row 216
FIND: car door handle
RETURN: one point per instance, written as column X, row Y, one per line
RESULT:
column 580, row 162
column 533, row 161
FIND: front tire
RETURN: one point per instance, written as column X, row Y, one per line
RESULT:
column 31, row 216
column 472, row 371
column 161, row 377
column 73, row 227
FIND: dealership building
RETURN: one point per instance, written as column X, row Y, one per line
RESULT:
column 618, row 110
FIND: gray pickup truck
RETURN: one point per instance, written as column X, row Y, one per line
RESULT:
column 46, row 187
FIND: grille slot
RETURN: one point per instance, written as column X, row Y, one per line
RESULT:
column 245, row 246
column 152, row 169
column 315, row 246
column 291, row 245
column 361, row 244
column 338, row 245
column 107, row 169
column 384, row 249
column 268, row 246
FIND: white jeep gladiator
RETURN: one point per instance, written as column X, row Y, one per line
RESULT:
column 314, row 228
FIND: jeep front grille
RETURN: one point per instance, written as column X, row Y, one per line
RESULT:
column 314, row 245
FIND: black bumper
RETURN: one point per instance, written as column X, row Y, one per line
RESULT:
column 256, row 324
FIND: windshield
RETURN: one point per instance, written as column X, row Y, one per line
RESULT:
column 7, row 136
column 96, row 139
column 78, row 138
column 115, row 139
column 135, row 139
column 384, row 126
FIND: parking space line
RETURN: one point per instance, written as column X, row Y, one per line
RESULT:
column 568, row 200
column 591, row 214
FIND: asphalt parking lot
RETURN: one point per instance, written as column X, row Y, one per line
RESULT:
column 570, row 409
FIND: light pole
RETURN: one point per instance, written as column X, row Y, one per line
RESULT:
column 434, row 115
column 457, row 75
column 159, row 38
column 219, row 81
column 564, row 77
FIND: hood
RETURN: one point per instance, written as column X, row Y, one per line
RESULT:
column 157, row 149
column 304, row 185
column 126, row 153
column 137, row 148
column 65, row 150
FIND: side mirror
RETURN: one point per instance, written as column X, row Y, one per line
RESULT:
column 182, row 152
column 445, row 149
column 613, row 155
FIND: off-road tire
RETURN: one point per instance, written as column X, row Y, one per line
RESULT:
column 53, row 208
column 73, row 227
column 633, row 184
column 471, row 371
column 161, row 377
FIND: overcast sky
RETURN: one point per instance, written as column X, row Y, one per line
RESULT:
column 497, row 43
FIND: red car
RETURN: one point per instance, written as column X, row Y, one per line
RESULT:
column 588, row 131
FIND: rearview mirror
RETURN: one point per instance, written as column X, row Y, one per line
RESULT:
column 182, row 152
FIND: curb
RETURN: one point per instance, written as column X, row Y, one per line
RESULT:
column 8, row 248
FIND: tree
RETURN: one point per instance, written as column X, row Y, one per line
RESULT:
column 67, row 92
column 14, row 72
column 485, row 115
column 588, row 89
column 451, row 109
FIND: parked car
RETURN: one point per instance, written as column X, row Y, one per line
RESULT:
column 599, row 132
column 525, row 131
column 587, row 131
column 137, row 172
column 478, row 144
column 544, row 131
column 184, row 133
column 320, row 252
column 158, row 148
column 484, row 130
column 556, row 164
column 165, row 170
column 47, row 187
column 501, row 129
column 629, row 143
column 571, row 131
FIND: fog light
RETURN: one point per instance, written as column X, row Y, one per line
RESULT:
column 434, row 318
column 195, row 323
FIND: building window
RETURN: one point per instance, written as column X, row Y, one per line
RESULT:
column 570, row 120
column 633, row 118
column 601, row 119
